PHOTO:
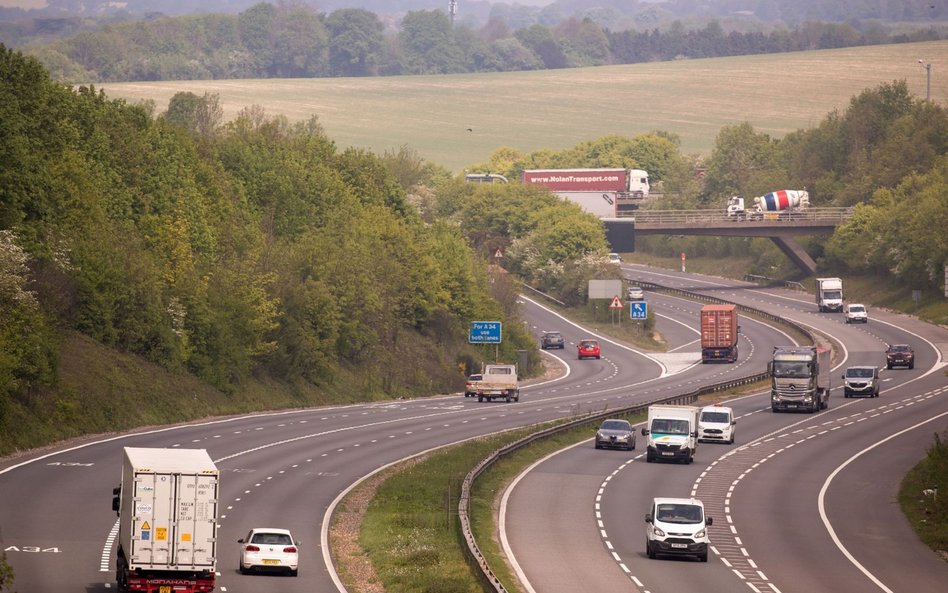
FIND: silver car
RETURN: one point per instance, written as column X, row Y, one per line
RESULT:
column 615, row 434
column 861, row 381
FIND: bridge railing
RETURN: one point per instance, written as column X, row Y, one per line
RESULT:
column 823, row 215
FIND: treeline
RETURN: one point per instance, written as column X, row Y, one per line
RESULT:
column 295, row 41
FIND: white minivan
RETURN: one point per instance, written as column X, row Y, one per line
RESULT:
column 677, row 526
column 716, row 424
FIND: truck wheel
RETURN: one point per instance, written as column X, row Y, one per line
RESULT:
column 480, row 398
column 508, row 399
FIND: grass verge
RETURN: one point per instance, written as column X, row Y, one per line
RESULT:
column 409, row 530
column 923, row 496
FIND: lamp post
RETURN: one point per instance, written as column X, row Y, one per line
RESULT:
column 928, row 85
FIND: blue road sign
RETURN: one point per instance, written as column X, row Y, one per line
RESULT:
column 485, row 332
column 638, row 310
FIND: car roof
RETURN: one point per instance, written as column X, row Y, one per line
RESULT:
column 270, row 530
column 861, row 366
column 716, row 408
column 899, row 346
column 616, row 420
column 693, row 501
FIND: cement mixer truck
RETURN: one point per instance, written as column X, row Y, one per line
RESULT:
column 782, row 203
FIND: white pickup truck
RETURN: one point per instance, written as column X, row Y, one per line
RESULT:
column 499, row 381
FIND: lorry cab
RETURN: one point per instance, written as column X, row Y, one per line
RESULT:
column 677, row 526
column 638, row 183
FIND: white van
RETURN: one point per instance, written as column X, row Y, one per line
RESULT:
column 856, row 313
column 677, row 526
column 716, row 424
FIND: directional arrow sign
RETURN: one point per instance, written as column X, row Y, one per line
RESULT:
column 638, row 310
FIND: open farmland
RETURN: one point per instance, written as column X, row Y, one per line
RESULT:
column 457, row 120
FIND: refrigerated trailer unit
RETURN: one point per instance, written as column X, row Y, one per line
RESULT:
column 167, row 505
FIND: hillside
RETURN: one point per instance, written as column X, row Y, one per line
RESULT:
column 555, row 109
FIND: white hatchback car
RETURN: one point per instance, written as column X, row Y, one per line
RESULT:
column 268, row 549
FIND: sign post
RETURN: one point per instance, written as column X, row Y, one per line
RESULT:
column 486, row 332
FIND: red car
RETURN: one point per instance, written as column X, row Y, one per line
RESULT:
column 588, row 349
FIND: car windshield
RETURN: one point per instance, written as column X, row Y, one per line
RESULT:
column 615, row 425
column 860, row 373
column 857, row 309
column 679, row 513
column 474, row 378
column 670, row 426
column 273, row 539
column 714, row 417
column 588, row 344
column 784, row 368
column 899, row 348
column 553, row 336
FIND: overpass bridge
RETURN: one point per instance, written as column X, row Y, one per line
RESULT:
column 781, row 228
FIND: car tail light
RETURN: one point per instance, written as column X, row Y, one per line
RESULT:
column 289, row 550
column 252, row 548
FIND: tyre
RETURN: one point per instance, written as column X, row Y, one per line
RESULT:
column 888, row 366
column 648, row 458
column 480, row 398
column 774, row 409
column 598, row 446
column 703, row 557
column 648, row 550
column 912, row 365
column 632, row 448
column 294, row 573
column 508, row 399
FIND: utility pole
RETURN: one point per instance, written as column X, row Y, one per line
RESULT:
column 928, row 85
column 453, row 10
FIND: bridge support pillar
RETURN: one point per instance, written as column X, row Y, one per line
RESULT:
column 797, row 255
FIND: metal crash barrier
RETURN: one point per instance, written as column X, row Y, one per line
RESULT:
column 473, row 551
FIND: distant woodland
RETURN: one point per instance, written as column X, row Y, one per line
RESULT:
column 294, row 40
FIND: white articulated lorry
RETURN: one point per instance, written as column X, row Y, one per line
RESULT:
column 829, row 295
column 167, row 505
column 672, row 433
column 607, row 193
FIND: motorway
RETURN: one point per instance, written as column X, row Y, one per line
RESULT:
column 801, row 502
column 289, row 469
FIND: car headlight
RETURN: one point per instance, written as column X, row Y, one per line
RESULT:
column 600, row 436
column 701, row 534
column 658, row 532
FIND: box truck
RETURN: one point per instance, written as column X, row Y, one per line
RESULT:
column 829, row 295
column 167, row 505
column 672, row 433
column 719, row 332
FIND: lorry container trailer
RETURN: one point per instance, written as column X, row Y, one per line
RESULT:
column 719, row 333
column 167, row 505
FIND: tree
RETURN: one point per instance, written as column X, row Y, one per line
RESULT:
column 539, row 39
column 200, row 115
column 427, row 44
column 742, row 162
column 355, row 42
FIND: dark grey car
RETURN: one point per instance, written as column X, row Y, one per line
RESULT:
column 552, row 340
column 615, row 434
